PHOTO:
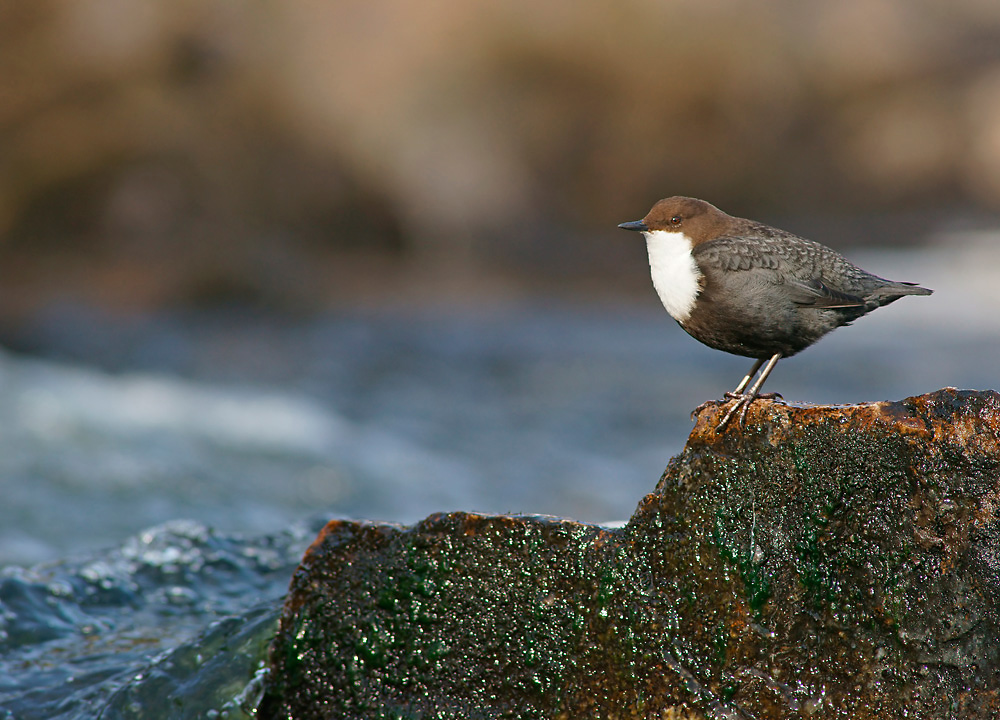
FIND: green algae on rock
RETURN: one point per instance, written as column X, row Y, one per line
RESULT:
column 825, row 562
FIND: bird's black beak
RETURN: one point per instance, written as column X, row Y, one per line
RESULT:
column 638, row 225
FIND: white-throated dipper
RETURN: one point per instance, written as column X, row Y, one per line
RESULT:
column 753, row 290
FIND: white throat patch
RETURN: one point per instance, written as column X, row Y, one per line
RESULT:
column 674, row 271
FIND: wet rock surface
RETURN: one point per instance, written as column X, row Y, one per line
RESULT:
column 824, row 562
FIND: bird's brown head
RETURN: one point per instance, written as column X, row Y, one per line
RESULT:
column 695, row 218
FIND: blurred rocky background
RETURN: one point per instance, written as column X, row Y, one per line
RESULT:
column 286, row 259
column 299, row 155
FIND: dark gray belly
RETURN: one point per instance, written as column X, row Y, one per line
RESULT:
column 762, row 326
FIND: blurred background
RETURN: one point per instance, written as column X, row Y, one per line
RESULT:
column 304, row 155
column 263, row 259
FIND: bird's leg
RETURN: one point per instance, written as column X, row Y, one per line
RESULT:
column 746, row 380
column 743, row 399
column 735, row 394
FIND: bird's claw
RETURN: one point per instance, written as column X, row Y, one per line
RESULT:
column 742, row 404
column 697, row 411
column 762, row 396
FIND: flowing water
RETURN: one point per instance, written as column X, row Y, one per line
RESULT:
column 161, row 478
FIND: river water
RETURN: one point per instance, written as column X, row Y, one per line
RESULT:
column 161, row 477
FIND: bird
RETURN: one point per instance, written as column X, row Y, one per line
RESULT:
column 749, row 289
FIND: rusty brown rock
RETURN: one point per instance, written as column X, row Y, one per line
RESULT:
column 825, row 562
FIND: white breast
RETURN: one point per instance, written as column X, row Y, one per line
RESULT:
column 674, row 271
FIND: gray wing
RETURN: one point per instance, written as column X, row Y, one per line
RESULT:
column 816, row 293
column 794, row 262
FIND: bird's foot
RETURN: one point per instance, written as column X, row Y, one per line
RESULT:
column 708, row 403
column 741, row 406
column 743, row 401
column 732, row 396
column 762, row 396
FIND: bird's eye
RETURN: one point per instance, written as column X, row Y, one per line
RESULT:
column 675, row 220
